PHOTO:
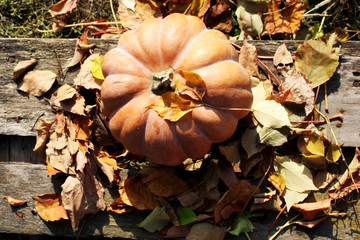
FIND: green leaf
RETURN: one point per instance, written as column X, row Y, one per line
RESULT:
column 243, row 225
column 274, row 137
column 317, row 61
column 156, row 220
column 96, row 68
column 271, row 114
column 186, row 216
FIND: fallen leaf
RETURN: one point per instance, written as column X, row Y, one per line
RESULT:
column 42, row 134
column 323, row 178
column 262, row 91
column 227, row 173
column 293, row 197
column 108, row 165
column 271, row 114
column 278, row 181
column 250, row 141
column 286, row 19
column 190, row 84
column 312, row 223
column 283, row 59
column 249, row 16
column 186, row 216
column 311, row 145
column 118, row 206
column 274, row 204
column 231, row 151
column 176, row 232
column 242, row 225
column 248, row 58
column 74, row 105
column 37, row 82
column 49, row 207
column 66, row 92
column 310, row 210
column 130, row 4
column 156, row 179
column 15, row 202
column 96, row 68
column 206, row 231
column 22, row 67
column 156, row 220
column 62, row 7
column 218, row 16
column 134, row 193
column 273, row 137
column 171, row 106
column 333, row 153
column 317, row 61
column 81, row 50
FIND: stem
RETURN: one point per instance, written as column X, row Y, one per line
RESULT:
column 319, row 121
column 270, row 72
column 114, row 15
column 288, row 223
column 226, row 108
column 326, row 98
column 162, row 82
column 277, row 217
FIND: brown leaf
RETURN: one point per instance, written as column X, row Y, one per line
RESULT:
column 83, row 126
column 118, row 206
column 81, row 50
column 108, row 165
column 323, row 178
column 62, row 7
column 286, row 20
column 283, row 59
column 206, row 231
column 176, row 231
column 83, row 194
column 219, row 16
column 310, row 210
column 312, row 223
column 85, row 78
column 42, row 134
column 49, row 207
column 227, row 173
column 22, row 67
column 190, row 84
column 239, row 193
column 51, row 170
column 74, row 105
column 37, row 82
column 248, row 58
column 163, row 182
column 15, row 202
column 277, row 181
column 134, row 192
column 273, row 204
column 66, row 92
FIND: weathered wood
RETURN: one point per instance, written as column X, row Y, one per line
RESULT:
column 19, row 112
column 24, row 181
column 18, row 149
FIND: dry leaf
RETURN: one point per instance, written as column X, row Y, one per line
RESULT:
column 134, row 193
column 283, row 59
column 278, row 182
column 22, row 67
column 62, row 7
column 118, row 206
column 311, row 145
column 310, row 210
column 293, row 197
column 15, row 202
column 249, row 16
column 206, row 231
column 323, row 178
column 42, row 134
column 108, row 165
column 74, row 105
column 66, row 92
column 96, row 68
column 250, row 141
column 155, row 183
column 271, row 114
column 219, row 16
column 285, row 20
column 85, row 78
column 49, row 207
column 37, row 82
column 317, row 61
column 313, row 223
column 248, row 58
column 190, row 84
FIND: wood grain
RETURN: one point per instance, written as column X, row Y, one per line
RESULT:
column 19, row 112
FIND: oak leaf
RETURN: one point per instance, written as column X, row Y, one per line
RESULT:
column 50, row 207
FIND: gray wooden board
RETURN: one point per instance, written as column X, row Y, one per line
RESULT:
column 20, row 112
column 23, row 181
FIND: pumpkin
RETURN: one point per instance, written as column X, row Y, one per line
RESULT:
column 157, row 45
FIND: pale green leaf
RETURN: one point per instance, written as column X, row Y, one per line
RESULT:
column 293, row 197
column 250, row 141
column 274, row 137
column 156, row 220
column 271, row 114
column 317, row 61
column 242, row 225
column 249, row 18
column 186, row 216
column 297, row 176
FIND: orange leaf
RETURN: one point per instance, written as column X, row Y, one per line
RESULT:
column 49, row 207
column 277, row 181
column 118, row 206
column 62, row 7
column 15, row 202
column 310, row 210
column 190, row 84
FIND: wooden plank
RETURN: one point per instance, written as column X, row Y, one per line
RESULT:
column 24, row 181
column 19, row 112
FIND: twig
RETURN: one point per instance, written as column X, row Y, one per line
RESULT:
column 37, row 121
column 270, row 72
column 277, row 217
column 326, row 98
column 317, row 6
column 319, row 121
column 114, row 15
column 288, row 223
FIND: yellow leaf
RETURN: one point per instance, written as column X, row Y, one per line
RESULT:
column 190, row 84
column 96, row 69
column 278, row 181
column 317, row 61
column 311, row 145
column 172, row 107
column 50, row 208
column 196, row 5
column 332, row 153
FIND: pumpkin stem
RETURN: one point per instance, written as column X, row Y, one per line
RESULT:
column 162, row 82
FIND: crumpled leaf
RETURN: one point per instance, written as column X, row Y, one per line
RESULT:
column 171, row 106
column 156, row 220
column 118, row 206
column 248, row 58
column 83, row 194
column 311, row 145
column 96, row 67
column 312, row 223
column 186, row 216
column 310, row 210
column 317, row 61
column 66, row 92
column 156, row 179
column 285, row 20
column 50, row 207
column 22, row 67
column 75, row 105
column 62, row 7
column 248, row 16
column 42, row 133
column 37, row 82
column 206, row 231
column 282, row 59
column 190, row 84
column 271, row 114
column 15, row 202
column 218, row 16
column 81, row 50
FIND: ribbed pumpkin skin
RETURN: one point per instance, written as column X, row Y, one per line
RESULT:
column 181, row 42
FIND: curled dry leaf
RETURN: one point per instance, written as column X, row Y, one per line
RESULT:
column 190, row 84
column 62, row 7
column 283, row 59
column 37, row 82
column 286, row 20
column 278, row 182
column 42, row 134
column 248, row 58
column 66, row 92
column 75, row 105
column 118, row 206
column 85, row 78
column 50, row 208
column 310, row 210
column 22, row 67
column 15, row 202
column 248, row 16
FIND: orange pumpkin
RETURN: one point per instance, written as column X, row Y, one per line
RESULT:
column 175, row 42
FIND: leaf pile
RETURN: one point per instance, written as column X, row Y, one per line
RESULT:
column 275, row 160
